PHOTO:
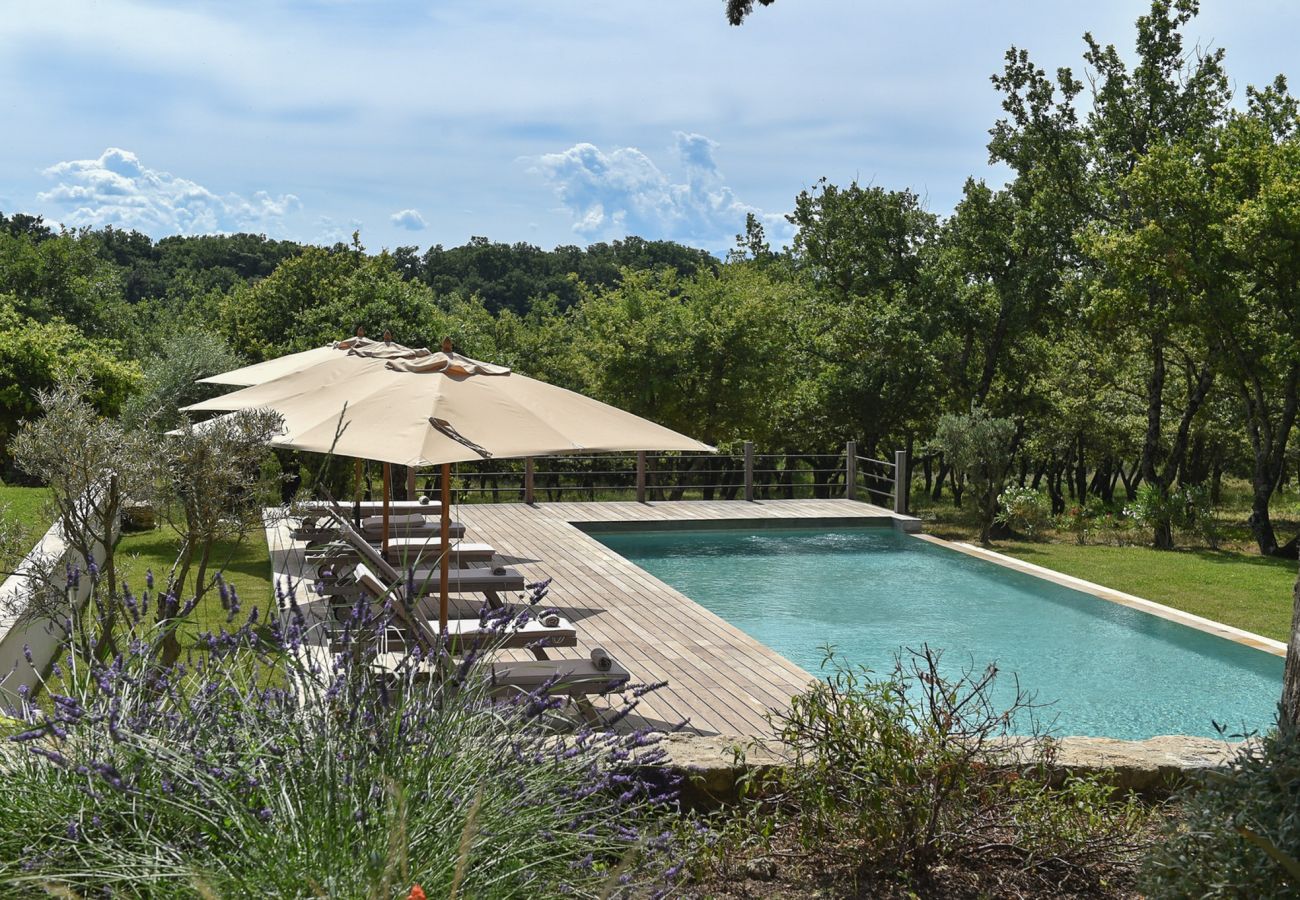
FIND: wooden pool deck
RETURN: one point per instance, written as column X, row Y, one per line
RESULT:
column 719, row 680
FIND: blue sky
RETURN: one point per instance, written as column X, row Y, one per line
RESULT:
column 547, row 121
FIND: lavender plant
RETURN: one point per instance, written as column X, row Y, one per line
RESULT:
column 281, row 763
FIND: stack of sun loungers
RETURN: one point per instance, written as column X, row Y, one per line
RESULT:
column 348, row 567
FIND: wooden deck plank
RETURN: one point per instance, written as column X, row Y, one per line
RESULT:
column 719, row 678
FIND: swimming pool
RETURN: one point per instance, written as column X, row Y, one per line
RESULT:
column 1105, row 668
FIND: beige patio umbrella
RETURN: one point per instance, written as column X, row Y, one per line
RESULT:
column 259, row 373
column 426, row 409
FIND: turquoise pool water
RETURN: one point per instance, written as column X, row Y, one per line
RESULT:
column 1104, row 668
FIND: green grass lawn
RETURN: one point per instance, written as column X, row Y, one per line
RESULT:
column 246, row 565
column 26, row 505
column 1233, row 585
column 1248, row 591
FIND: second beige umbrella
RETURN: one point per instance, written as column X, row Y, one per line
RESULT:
column 430, row 409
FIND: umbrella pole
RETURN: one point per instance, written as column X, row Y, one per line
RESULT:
column 356, row 493
column 444, row 568
column 387, row 479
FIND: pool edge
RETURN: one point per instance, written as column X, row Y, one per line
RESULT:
column 1101, row 592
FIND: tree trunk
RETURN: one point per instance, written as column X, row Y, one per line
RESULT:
column 1261, row 526
column 1039, row 471
column 1291, row 674
column 1080, row 472
column 1164, row 536
column 937, row 494
column 1131, row 482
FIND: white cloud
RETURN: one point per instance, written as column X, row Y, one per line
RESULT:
column 410, row 219
column 329, row 232
column 625, row 192
column 117, row 189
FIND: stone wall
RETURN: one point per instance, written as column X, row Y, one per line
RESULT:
column 1154, row 768
column 19, row 631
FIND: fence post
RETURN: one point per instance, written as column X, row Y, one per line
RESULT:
column 528, row 480
column 902, row 483
column 410, row 483
column 640, row 476
column 749, row 471
column 851, row 470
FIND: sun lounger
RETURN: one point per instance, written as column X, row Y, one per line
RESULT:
column 468, row 633
column 422, row 552
column 427, row 550
column 477, row 580
column 548, row 629
column 380, row 565
column 314, row 530
column 376, row 507
column 599, row 674
column 407, row 526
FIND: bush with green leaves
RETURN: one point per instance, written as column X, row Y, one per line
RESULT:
column 1186, row 507
column 1024, row 510
column 1239, row 832
column 1083, row 518
column 275, row 766
column 903, row 776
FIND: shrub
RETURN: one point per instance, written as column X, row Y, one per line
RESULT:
column 1024, row 510
column 901, row 777
column 249, row 774
column 1083, row 518
column 1198, row 514
column 1187, row 507
column 1239, row 835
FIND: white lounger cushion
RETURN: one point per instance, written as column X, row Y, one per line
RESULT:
column 428, row 529
column 424, row 553
column 461, row 580
column 473, row 580
column 405, row 520
column 575, row 676
column 376, row 507
column 469, row 633
column 432, row 546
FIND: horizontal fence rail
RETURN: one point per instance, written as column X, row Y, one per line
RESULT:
column 748, row 475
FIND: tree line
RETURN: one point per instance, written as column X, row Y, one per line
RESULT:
column 1125, row 308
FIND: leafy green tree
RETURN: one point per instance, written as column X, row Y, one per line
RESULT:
column 35, row 356
column 857, row 240
column 1156, row 240
column 1257, row 326
column 63, row 277
column 868, row 325
column 321, row 296
column 737, row 10
column 707, row 355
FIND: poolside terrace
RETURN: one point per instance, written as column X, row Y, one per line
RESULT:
column 719, row 680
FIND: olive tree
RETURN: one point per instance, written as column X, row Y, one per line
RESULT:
column 211, row 492
column 90, row 463
column 981, row 448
